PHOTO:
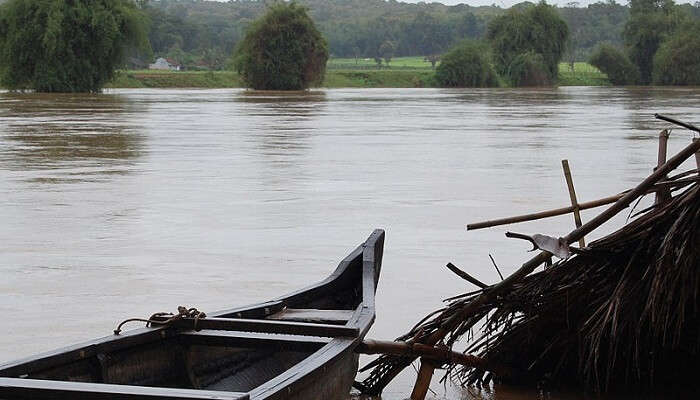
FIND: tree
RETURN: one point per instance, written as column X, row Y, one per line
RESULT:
column 66, row 46
column 650, row 22
column 467, row 65
column 283, row 50
column 677, row 60
column 536, row 29
column 615, row 64
column 386, row 50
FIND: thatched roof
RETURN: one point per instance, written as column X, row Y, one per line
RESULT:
column 623, row 314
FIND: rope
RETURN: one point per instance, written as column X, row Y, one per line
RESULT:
column 182, row 313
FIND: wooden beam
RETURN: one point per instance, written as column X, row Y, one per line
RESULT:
column 33, row 389
column 663, row 194
column 425, row 375
column 566, row 210
column 255, row 340
column 572, row 196
column 265, row 326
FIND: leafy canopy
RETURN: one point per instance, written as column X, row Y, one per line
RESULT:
column 283, row 50
column 468, row 64
column 534, row 29
column 651, row 21
column 615, row 64
column 66, row 45
column 677, row 60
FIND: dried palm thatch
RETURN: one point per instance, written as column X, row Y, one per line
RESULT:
column 623, row 314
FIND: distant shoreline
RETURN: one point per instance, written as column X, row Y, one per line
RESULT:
column 340, row 74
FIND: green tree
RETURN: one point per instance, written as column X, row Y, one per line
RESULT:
column 283, row 50
column 536, row 29
column 529, row 69
column 467, row 65
column 66, row 45
column 386, row 50
column 677, row 60
column 615, row 64
column 649, row 24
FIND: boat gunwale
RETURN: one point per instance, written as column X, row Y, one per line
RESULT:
column 362, row 318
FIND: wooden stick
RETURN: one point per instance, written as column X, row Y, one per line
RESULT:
column 662, row 195
column 426, row 371
column 425, row 375
column 564, row 210
column 572, row 196
column 441, row 355
column 466, row 276
column 697, row 156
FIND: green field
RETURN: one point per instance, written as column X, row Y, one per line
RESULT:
column 583, row 74
column 342, row 72
column 368, row 63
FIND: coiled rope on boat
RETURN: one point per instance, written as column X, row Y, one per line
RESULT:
column 182, row 313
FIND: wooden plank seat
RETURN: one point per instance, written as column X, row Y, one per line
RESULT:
column 34, row 389
column 310, row 315
column 271, row 341
column 266, row 326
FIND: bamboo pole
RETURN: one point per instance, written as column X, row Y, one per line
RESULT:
column 572, row 196
column 425, row 375
column 426, row 371
column 662, row 195
column 564, row 210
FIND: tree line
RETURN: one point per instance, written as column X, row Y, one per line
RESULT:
column 204, row 33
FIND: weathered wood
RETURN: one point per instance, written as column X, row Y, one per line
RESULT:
column 425, row 375
column 566, row 210
column 254, row 340
column 572, row 195
column 440, row 355
column 266, row 326
column 313, row 315
column 457, row 318
column 330, row 347
column 663, row 194
column 466, row 276
column 33, row 389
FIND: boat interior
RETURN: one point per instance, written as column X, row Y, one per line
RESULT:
column 233, row 350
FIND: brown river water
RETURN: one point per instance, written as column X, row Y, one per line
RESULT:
column 135, row 201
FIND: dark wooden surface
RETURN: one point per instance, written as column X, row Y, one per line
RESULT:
column 13, row 388
column 345, row 298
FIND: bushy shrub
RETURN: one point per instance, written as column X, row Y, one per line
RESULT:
column 529, row 69
column 466, row 65
column 615, row 64
column 677, row 62
column 282, row 50
column 66, row 46
column 538, row 29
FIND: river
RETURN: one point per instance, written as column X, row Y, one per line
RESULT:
column 135, row 201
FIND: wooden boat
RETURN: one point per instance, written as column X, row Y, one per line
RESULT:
column 299, row 346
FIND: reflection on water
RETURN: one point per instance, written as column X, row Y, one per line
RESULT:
column 67, row 138
column 217, row 198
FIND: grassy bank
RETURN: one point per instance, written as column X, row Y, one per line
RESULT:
column 175, row 79
column 582, row 74
column 405, row 72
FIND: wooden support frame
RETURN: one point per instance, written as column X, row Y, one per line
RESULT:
column 254, row 340
column 265, row 326
column 662, row 194
column 572, row 195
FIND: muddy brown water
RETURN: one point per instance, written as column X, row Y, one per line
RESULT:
column 136, row 201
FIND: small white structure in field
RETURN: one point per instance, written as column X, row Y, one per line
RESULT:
column 163, row 64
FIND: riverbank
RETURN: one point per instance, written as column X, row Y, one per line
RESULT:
column 341, row 73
